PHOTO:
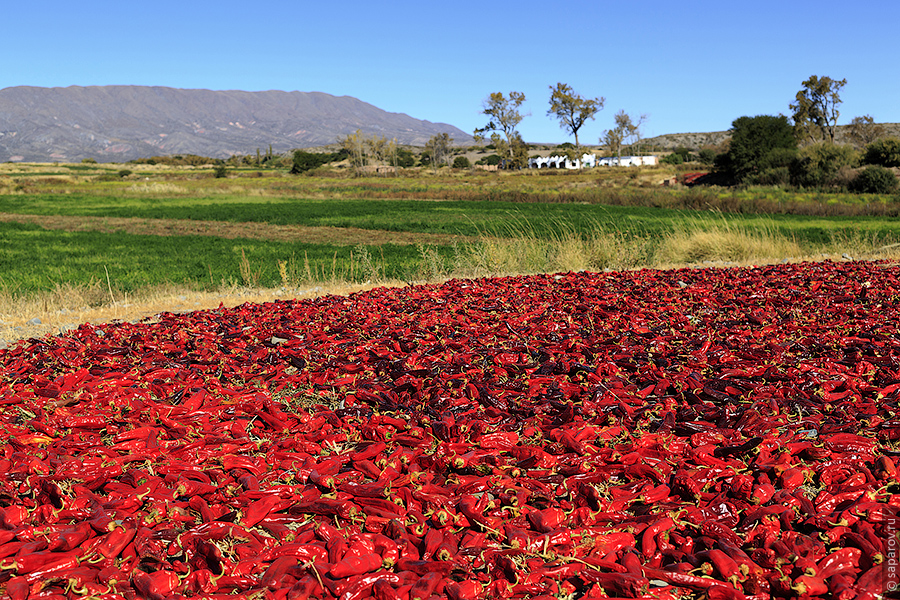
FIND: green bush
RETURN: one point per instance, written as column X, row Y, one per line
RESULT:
column 89, row 161
column 707, row 156
column 124, row 173
column 777, row 176
column 874, row 179
column 492, row 159
column 818, row 164
column 220, row 171
column 461, row 162
column 753, row 139
column 303, row 162
column 884, row 152
column 672, row 159
column 405, row 158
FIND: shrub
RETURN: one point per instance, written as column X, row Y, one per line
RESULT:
column 124, row 173
column 89, row 161
column 777, row 176
column 672, row 159
column 819, row 164
column 707, row 156
column 405, row 158
column 874, row 179
column 492, row 159
column 884, row 152
column 461, row 162
column 220, row 171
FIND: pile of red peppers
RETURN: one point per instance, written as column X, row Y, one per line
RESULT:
column 718, row 434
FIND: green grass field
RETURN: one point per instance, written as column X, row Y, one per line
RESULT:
column 464, row 218
column 558, row 234
column 35, row 259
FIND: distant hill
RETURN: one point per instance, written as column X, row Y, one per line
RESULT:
column 695, row 141
column 121, row 123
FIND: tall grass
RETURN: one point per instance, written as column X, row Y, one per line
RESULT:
column 727, row 241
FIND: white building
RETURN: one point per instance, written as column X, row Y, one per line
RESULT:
column 590, row 160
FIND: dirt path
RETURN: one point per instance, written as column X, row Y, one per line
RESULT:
column 340, row 236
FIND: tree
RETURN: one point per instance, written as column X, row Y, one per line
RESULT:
column 354, row 144
column 874, row 179
column 303, row 161
column 758, row 144
column 613, row 140
column 438, row 148
column 816, row 108
column 636, row 134
column 571, row 109
column 884, row 152
column 504, row 118
column 405, row 157
column 862, row 131
column 461, row 162
column 377, row 148
column 518, row 153
column 625, row 131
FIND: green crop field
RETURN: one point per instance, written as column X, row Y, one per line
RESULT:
column 564, row 221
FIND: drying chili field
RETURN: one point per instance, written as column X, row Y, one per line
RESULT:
column 668, row 434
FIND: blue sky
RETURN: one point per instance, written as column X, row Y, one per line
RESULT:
column 689, row 66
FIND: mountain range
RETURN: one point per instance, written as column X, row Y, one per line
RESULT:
column 121, row 123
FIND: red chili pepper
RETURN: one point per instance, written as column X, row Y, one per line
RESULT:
column 547, row 520
column 648, row 538
column 40, row 563
column 383, row 590
column 157, row 585
column 807, row 585
column 464, row 590
column 618, row 583
column 355, row 565
column 425, row 586
column 308, row 552
column 423, row 567
column 360, row 587
column 276, row 571
column 842, row 560
column 726, row 566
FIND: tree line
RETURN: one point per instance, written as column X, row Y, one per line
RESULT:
column 801, row 151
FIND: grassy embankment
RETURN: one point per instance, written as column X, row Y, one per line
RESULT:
column 182, row 230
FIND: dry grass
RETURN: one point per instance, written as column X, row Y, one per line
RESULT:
column 156, row 187
column 727, row 242
column 68, row 307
